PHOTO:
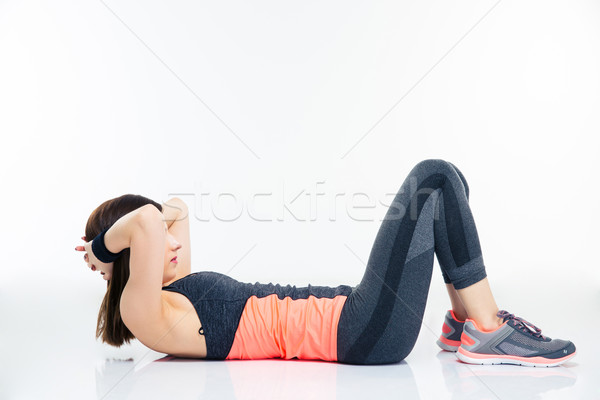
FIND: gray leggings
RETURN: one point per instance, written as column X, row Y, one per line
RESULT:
column 382, row 317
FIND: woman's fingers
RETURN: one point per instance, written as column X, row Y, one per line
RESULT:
column 81, row 248
column 86, row 257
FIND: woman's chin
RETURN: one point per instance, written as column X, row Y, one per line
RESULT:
column 170, row 273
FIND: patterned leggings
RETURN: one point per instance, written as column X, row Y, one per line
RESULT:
column 382, row 317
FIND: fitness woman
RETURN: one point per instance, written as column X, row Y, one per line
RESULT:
column 142, row 250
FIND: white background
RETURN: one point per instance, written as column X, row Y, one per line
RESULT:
column 176, row 99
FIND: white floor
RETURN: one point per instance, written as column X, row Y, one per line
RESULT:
column 51, row 355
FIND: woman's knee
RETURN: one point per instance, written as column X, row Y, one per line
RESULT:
column 438, row 166
column 434, row 165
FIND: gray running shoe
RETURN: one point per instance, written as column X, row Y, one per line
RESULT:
column 516, row 341
column 451, row 330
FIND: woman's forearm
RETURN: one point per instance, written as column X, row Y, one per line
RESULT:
column 173, row 210
column 118, row 237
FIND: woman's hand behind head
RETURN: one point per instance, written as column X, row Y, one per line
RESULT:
column 93, row 263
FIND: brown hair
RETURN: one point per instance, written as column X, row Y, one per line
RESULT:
column 110, row 325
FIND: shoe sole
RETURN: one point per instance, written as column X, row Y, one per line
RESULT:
column 493, row 359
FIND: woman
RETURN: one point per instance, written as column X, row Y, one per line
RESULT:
column 152, row 296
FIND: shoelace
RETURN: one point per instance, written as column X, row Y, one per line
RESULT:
column 521, row 324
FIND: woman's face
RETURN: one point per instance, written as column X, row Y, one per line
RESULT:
column 171, row 247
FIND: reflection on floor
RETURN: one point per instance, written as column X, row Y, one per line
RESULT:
column 48, row 356
column 170, row 377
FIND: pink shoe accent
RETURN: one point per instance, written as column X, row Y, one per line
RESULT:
column 446, row 329
column 454, row 343
column 483, row 330
column 454, row 316
column 466, row 339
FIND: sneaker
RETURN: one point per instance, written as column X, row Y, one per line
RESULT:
column 451, row 330
column 516, row 341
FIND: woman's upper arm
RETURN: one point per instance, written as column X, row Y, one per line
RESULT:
column 180, row 229
column 141, row 300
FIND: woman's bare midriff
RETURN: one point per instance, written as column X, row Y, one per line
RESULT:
column 182, row 338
